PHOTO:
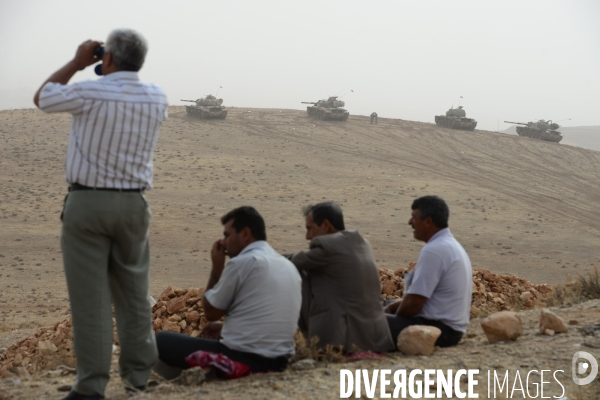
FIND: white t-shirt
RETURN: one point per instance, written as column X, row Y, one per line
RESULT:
column 261, row 292
column 443, row 275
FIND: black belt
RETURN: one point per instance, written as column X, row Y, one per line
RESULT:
column 76, row 186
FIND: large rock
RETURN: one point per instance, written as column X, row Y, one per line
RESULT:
column 46, row 347
column 175, row 304
column 418, row 339
column 551, row 321
column 388, row 287
column 503, row 325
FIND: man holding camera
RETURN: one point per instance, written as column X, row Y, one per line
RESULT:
column 104, row 238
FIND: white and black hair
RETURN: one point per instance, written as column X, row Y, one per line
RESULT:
column 327, row 210
column 128, row 49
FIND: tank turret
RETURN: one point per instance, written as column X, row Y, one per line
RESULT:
column 206, row 107
column 542, row 130
column 332, row 108
column 456, row 118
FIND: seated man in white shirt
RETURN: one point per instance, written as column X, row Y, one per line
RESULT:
column 258, row 292
column 438, row 291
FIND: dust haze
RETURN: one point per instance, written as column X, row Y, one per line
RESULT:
column 512, row 60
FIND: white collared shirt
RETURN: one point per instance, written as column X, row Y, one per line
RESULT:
column 443, row 275
column 260, row 290
column 115, row 125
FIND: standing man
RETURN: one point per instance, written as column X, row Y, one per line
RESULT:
column 258, row 292
column 104, row 238
column 438, row 291
column 341, row 289
column 374, row 117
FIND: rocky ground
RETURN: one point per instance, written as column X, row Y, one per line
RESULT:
column 307, row 380
column 519, row 206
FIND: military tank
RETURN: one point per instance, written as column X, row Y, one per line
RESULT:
column 206, row 107
column 542, row 130
column 332, row 108
column 456, row 118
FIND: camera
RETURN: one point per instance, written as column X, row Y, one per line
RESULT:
column 98, row 51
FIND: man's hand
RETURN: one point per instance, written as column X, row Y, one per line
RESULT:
column 410, row 305
column 392, row 308
column 217, row 255
column 212, row 330
column 84, row 56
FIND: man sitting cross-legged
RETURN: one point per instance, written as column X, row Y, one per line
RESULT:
column 341, row 289
column 258, row 292
column 438, row 291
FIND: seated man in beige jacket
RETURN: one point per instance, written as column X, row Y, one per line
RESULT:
column 341, row 289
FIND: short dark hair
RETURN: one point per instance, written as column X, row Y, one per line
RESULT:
column 327, row 210
column 434, row 207
column 246, row 216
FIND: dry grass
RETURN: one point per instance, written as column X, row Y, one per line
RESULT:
column 7, row 326
column 310, row 350
column 582, row 288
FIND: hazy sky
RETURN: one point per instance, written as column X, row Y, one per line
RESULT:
column 510, row 60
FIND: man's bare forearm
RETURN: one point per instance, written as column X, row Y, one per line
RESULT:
column 215, row 275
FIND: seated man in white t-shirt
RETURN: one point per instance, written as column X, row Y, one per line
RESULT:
column 438, row 291
column 258, row 292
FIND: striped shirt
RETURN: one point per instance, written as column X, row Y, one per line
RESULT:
column 115, row 125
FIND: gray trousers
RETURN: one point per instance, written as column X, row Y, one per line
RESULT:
column 106, row 257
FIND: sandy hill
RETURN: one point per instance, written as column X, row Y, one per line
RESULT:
column 517, row 205
column 587, row 137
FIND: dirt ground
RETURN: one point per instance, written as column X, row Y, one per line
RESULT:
column 517, row 205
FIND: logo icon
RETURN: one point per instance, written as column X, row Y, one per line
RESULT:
column 579, row 367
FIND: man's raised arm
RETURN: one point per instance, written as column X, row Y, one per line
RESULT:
column 83, row 57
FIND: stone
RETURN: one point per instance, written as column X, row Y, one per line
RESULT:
column 46, row 347
column 191, row 377
column 175, row 305
column 192, row 316
column 168, row 292
column 388, row 287
column 170, row 326
column 174, row 318
column 418, row 339
column 551, row 321
column 305, row 364
column 548, row 332
column 525, row 296
column 501, row 326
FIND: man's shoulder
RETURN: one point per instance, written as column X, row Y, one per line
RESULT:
column 340, row 242
column 259, row 250
column 339, row 237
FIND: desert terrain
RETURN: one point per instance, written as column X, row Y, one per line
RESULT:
column 518, row 205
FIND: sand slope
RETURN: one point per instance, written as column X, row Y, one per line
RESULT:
column 517, row 205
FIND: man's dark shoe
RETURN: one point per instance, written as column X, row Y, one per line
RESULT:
column 73, row 395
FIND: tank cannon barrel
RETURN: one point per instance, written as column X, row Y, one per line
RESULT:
column 308, row 102
column 189, row 101
column 518, row 123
